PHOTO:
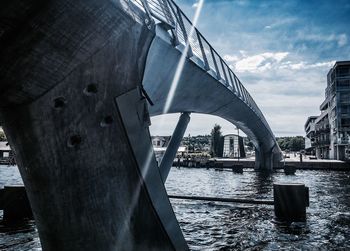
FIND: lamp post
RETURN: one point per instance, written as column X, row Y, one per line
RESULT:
column 239, row 149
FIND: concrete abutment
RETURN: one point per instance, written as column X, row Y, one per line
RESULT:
column 85, row 185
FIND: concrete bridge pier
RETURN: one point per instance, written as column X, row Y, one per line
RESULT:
column 62, row 67
column 266, row 160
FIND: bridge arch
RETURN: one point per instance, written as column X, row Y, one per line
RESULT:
column 199, row 91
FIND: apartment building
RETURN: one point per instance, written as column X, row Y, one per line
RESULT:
column 331, row 134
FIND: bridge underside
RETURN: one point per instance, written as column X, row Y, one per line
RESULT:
column 199, row 92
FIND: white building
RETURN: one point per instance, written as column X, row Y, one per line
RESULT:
column 160, row 143
column 233, row 146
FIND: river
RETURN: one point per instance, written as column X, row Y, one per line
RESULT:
column 228, row 226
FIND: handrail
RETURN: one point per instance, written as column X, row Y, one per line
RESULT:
column 167, row 11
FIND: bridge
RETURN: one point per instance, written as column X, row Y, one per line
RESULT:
column 203, row 82
column 78, row 84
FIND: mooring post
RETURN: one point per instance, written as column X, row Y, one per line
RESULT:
column 290, row 201
column 237, row 168
column 14, row 202
column 174, row 144
column 289, row 170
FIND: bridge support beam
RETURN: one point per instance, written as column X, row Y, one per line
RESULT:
column 88, row 187
column 266, row 160
column 174, row 144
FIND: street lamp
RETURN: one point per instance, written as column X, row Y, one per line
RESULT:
column 239, row 149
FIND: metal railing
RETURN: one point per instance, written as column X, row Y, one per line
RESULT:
column 166, row 11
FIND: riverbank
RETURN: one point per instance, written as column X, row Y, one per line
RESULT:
column 305, row 164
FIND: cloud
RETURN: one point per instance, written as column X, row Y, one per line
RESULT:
column 259, row 62
column 282, row 22
column 342, row 40
column 230, row 58
column 304, row 35
column 305, row 65
column 270, row 61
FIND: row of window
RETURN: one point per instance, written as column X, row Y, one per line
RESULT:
column 343, row 71
column 343, row 84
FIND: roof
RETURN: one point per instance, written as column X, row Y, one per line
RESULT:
column 338, row 63
column 4, row 146
column 231, row 134
column 163, row 149
column 308, row 120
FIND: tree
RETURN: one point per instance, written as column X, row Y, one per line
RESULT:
column 2, row 135
column 216, row 141
column 291, row 143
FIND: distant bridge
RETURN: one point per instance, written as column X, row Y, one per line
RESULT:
column 75, row 77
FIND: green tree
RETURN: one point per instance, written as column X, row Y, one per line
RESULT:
column 216, row 141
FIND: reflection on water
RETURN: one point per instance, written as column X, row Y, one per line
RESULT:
column 228, row 226
column 22, row 236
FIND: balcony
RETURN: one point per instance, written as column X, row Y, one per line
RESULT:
column 324, row 104
column 324, row 142
column 342, row 141
column 325, row 129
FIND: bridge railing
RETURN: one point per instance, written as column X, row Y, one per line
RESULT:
column 184, row 33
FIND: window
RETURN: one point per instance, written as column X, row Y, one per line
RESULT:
column 344, row 97
column 343, row 71
column 343, row 84
column 345, row 122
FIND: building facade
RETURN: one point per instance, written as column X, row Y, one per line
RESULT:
column 310, row 135
column 233, row 147
column 160, row 144
column 7, row 156
column 332, row 127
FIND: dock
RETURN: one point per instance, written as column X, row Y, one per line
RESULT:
column 248, row 163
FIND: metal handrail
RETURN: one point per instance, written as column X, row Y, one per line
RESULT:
column 167, row 11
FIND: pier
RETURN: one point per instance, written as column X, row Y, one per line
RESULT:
column 311, row 164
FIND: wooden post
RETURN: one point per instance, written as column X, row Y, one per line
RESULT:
column 14, row 202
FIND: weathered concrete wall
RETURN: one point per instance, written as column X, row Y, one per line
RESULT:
column 58, row 83
column 199, row 92
column 43, row 41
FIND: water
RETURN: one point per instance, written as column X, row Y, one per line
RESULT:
column 227, row 226
column 18, row 237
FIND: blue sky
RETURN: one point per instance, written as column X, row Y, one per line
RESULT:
column 281, row 51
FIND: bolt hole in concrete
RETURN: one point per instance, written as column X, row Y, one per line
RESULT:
column 90, row 89
column 59, row 103
column 74, row 141
column 107, row 121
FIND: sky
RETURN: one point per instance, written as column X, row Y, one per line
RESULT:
column 280, row 50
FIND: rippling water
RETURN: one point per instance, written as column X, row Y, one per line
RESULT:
column 228, row 226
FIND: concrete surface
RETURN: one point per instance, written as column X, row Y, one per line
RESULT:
column 62, row 65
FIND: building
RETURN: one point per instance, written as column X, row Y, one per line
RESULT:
column 310, row 135
column 233, row 147
column 7, row 156
column 160, row 143
column 332, row 127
